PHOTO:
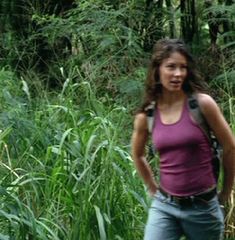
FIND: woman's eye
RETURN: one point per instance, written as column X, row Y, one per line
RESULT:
column 172, row 66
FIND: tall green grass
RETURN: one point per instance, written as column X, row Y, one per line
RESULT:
column 225, row 85
column 71, row 176
column 66, row 170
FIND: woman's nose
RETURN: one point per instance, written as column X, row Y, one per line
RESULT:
column 178, row 72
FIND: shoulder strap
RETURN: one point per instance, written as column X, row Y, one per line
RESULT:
column 197, row 114
column 150, row 112
column 200, row 119
column 194, row 108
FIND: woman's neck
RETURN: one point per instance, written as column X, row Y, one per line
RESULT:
column 170, row 98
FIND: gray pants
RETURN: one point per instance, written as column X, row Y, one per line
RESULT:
column 167, row 220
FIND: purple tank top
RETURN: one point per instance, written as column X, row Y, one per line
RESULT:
column 185, row 156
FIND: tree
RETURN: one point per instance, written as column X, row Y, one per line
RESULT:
column 153, row 23
column 188, row 20
column 170, row 10
column 213, row 23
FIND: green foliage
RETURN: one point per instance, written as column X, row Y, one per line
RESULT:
column 73, row 177
column 223, row 16
column 69, row 81
column 80, row 184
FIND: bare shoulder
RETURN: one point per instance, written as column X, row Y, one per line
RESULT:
column 212, row 113
column 140, row 122
column 207, row 104
column 216, row 121
column 205, row 99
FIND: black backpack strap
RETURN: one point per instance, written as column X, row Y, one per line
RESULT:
column 197, row 115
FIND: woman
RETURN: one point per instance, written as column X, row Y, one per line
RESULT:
column 185, row 201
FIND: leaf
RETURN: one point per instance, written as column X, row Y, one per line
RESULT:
column 49, row 230
column 100, row 223
column 4, row 237
column 25, row 88
column 65, row 134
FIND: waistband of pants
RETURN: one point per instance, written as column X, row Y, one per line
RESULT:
column 185, row 200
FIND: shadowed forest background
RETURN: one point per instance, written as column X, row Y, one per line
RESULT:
column 71, row 74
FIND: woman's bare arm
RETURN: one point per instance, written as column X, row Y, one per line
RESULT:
column 139, row 140
column 225, row 137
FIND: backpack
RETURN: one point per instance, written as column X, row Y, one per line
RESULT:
column 197, row 115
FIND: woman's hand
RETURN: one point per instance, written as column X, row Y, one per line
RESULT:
column 153, row 189
column 223, row 197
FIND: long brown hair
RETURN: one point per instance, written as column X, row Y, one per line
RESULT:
column 162, row 50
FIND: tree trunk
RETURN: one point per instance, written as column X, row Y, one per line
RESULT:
column 170, row 10
column 228, row 25
column 188, row 20
column 213, row 25
column 153, row 25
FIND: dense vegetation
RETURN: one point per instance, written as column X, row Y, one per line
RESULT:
column 71, row 74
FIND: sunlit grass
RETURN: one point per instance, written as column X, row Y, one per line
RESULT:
column 66, row 170
column 224, row 84
column 73, row 177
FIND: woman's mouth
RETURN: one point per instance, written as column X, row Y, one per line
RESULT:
column 175, row 82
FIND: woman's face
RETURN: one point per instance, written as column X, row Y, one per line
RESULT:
column 173, row 71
